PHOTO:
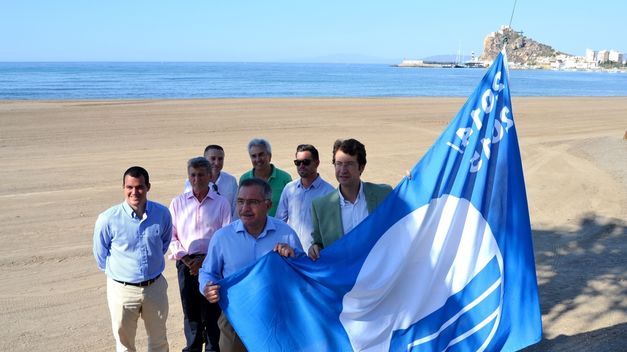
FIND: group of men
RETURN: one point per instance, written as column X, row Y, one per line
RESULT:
column 217, row 227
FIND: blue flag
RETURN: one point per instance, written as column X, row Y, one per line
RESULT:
column 444, row 263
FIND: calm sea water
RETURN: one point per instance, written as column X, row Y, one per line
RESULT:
column 93, row 80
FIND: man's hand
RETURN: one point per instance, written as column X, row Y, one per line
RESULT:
column 314, row 252
column 284, row 250
column 195, row 265
column 187, row 260
column 212, row 293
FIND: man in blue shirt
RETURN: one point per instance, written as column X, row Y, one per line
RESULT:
column 130, row 240
column 295, row 204
column 242, row 243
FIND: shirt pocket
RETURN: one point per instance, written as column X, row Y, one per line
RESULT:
column 153, row 235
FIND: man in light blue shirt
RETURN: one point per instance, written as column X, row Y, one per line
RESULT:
column 130, row 240
column 295, row 204
column 242, row 243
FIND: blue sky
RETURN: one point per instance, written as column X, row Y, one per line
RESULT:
column 293, row 31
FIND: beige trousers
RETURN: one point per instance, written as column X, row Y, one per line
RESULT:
column 229, row 341
column 128, row 303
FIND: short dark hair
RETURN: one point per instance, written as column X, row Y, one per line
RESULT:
column 213, row 146
column 266, row 190
column 309, row 148
column 351, row 147
column 136, row 172
column 199, row 162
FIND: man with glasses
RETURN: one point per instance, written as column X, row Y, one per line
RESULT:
column 339, row 212
column 242, row 243
column 295, row 204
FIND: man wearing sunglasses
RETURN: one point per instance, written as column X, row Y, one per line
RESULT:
column 295, row 204
column 339, row 212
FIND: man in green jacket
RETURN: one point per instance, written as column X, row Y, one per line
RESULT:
column 339, row 212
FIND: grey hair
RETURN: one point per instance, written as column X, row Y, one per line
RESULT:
column 199, row 162
column 260, row 142
column 263, row 185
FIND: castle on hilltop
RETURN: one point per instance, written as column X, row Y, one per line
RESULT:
column 524, row 52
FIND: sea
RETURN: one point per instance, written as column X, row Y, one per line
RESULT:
column 195, row 80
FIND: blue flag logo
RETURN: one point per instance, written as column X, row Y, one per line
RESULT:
column 444, row 263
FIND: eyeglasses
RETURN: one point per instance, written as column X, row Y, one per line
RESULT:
column 249, row 202
column 305, row 162
column 346, row 164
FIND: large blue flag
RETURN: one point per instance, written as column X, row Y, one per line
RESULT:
column 444, row 263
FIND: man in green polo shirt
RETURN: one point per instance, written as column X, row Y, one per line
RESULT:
column 260, row 153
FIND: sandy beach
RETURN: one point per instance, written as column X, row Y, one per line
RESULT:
column 62, row 164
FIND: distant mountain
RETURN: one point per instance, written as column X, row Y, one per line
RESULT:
column 520, row 49
column 342, row 59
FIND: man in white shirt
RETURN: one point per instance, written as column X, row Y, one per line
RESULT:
column 339, row 212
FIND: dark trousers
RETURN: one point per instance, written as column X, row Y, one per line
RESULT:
column 200, row 318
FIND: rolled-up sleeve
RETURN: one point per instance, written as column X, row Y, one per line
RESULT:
column 211, row 269
column 176, row 248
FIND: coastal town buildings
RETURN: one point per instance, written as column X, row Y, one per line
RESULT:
column 615, row 56
column 603, row 56
column 591, row 60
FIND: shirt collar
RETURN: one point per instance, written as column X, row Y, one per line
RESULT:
column 272, row 174
column 211, row 194
column 360, row 196
column 314, row 184
column 130, row 212
column 239, row 227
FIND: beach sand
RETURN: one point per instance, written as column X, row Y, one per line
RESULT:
column 62, row 164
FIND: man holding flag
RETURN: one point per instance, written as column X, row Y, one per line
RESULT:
column 338, row 212
column 444, row 263
column 242, row 243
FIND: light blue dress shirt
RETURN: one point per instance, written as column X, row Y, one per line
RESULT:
column 131, row 249
column 295, row 207
column 232, row 248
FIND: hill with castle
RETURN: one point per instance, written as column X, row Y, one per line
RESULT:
column 526, row 53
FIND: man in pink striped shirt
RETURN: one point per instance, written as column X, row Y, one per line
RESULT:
column 196, row 215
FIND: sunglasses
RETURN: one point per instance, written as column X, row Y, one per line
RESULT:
column 305, row 162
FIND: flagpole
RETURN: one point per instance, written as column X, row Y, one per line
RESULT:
column 512, row 16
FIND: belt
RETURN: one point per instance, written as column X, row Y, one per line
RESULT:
column 139, row 284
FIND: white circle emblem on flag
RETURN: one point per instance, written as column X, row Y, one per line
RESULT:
column 421, row 261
